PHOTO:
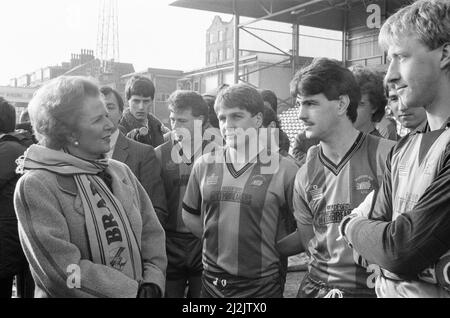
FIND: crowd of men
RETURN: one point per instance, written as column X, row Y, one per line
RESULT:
column 371, row 208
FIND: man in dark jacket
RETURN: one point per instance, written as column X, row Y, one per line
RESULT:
column 137, row 123
column 12, row 260
column 139, row 157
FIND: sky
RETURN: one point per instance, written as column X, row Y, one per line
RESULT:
column 40, row 33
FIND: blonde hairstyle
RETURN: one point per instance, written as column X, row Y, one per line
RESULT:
column 55, row 108
column 428, row 20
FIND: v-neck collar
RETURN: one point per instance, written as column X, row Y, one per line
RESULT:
column 336, row 169
column 186, row 160
column 237, row 173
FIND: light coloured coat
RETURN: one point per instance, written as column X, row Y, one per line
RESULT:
column 55, row 241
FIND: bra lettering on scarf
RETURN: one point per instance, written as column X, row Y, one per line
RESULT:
column 109, row 224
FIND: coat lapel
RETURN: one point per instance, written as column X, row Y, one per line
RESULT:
column 120, row 150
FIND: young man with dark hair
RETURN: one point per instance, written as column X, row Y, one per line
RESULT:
column 371, row 108
column 237, row 201
column 408, row 233
column 137, row 121
column 337, row 175
column 188, row 117
column 270, row 99
column 412, row 118
column 141, row 158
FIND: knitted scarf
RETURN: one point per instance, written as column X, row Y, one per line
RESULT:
column 111, row 238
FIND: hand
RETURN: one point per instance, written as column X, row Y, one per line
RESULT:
column 148, row 290
column 140, row 135
column 363, row 210
column 343, row 226
column 365, row 207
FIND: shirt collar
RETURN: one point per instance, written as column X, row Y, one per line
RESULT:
column 185, row 151
column 424, row 128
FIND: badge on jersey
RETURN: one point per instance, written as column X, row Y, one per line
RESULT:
column 212, row 179
column 257, row 181
column 364, row 184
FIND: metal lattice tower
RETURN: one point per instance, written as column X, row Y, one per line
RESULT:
column 108, row 33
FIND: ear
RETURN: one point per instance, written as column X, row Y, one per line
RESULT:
column 259, row 119
column 344, row 102
column 445, row 58
column 72, row 138
column 202, row 118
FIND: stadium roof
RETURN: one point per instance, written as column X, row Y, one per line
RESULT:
column 326, row 14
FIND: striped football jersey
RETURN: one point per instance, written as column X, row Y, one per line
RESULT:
column 244, row 213
column 418, row 156
column 324, row 193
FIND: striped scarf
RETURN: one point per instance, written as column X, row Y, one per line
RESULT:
column 111, row 238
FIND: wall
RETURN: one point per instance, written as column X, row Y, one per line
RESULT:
column 362, row 41
column 164, row 86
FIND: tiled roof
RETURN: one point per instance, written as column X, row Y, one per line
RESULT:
column 290, row 123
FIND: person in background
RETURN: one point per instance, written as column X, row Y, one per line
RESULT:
column 139, row 157
column 12, row 260
column 387, row 126
column 137, row 121
column 373, row 101
column 212, row 117
column 412, row 118
column 24, row 126
column 271, row 122
column 188, row 117
column 271, row 100
column 86, row 224
column 213, row 122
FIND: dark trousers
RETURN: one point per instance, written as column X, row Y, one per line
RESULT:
column 24, row 285
column 184, row 267
column 215, row 285
column 13, row 261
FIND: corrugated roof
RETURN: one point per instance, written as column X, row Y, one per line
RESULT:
column 325, row 14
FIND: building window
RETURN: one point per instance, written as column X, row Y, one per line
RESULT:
column 164, row 97
column 196, row 86
column 220, row 56
column 207, row 58
column 210, row 38
column 220, row 36
column 211, row 57
column 245, row 74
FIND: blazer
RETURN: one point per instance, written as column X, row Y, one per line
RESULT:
column 142, row 161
